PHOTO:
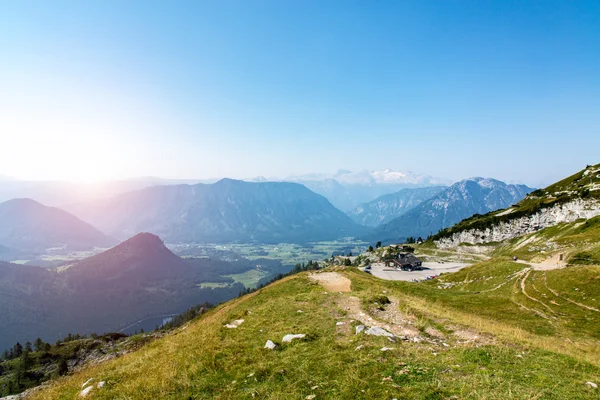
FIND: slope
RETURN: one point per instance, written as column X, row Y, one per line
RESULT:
column 28, row 225
column 443, row 349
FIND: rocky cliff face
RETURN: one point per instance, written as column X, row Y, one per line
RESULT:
column 567, row 212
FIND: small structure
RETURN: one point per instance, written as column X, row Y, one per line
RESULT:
column 405, row 262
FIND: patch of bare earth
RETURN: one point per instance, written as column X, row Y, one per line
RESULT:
column 332, row 281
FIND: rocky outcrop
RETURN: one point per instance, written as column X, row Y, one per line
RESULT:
column 567, row 212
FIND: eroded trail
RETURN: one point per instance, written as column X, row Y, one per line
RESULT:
column 332, row 281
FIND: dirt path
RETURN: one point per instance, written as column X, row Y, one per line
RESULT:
column 549, row 264
column 332, row 281
column 523, row 283
column 569, row 300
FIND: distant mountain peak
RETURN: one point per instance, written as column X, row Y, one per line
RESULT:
column 461, row 200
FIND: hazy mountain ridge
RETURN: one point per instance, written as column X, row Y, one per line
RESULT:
column 30, row 226
column 457, row 202
column 346, row 190
column 387, row 207
column 226, row 211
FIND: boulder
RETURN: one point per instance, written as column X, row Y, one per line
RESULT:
column 360, row 328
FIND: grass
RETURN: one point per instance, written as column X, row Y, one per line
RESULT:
column 203, row 360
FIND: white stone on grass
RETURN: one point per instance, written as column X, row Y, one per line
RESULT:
column 234, row 324
column 592, row 385
column 290, row 337
column 86, row 391
column 360, row 328
column 270, row 345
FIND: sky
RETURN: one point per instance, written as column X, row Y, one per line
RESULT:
column 93, row 90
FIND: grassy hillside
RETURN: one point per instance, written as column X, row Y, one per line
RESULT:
column 495, row 330
column 582, row 185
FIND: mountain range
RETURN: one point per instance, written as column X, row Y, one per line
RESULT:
column 347, row 190
column 27, row 225
column 389, row 206
column 459, row 201
column 226, row 211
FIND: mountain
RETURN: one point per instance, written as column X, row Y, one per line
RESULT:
column 574, row 198
column 9, row 254
column 226, row 211
column 347, row 190
column 389, row 206
column 136, row 280
column 459, row 201
column 28, row 225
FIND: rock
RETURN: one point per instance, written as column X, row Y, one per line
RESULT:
column 359, row 329
column 270, row 345
column 387, row 349
column 100, row 385
column 377, row 331
column 310, row 396
column 550, row 216
column 87, row 382
column 340, row 323
column 359, row 347
column 234, row 324
column 290, row 337
column 86, row 391
column 592, row 385
column 300, row 311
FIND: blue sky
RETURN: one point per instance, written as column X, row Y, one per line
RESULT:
column 198, row 89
